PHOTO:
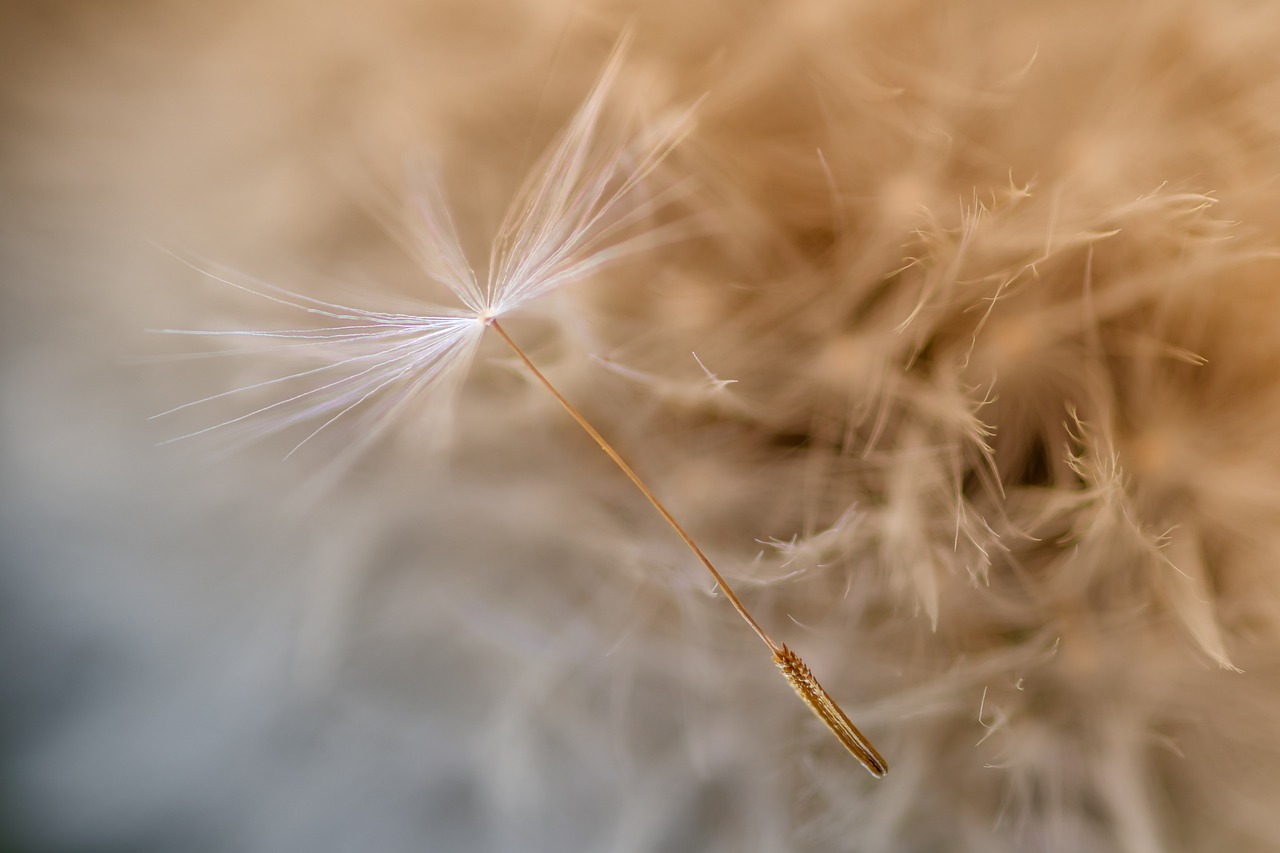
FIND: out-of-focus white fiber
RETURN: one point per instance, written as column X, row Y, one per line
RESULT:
column 981, row 421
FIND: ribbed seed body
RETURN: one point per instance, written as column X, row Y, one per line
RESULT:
column 801, row 679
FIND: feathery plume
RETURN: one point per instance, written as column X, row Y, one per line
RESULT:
column 578, row 213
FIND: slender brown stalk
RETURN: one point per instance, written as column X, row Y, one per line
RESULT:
column 640, row 484
column 798, row 675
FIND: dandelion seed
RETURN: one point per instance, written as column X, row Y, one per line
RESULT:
column 577, row 215
column 801, row 678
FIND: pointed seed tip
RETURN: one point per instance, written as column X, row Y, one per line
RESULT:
column 806, row 686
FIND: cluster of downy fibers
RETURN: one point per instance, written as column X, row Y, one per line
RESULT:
column 946, row 337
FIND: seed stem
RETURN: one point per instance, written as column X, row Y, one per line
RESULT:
column 796, row 673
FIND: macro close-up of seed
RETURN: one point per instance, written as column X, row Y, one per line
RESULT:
column 640, row 426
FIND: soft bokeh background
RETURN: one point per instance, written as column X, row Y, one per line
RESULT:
column 997, row 285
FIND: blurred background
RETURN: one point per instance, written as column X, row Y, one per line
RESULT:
column 997, row 287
